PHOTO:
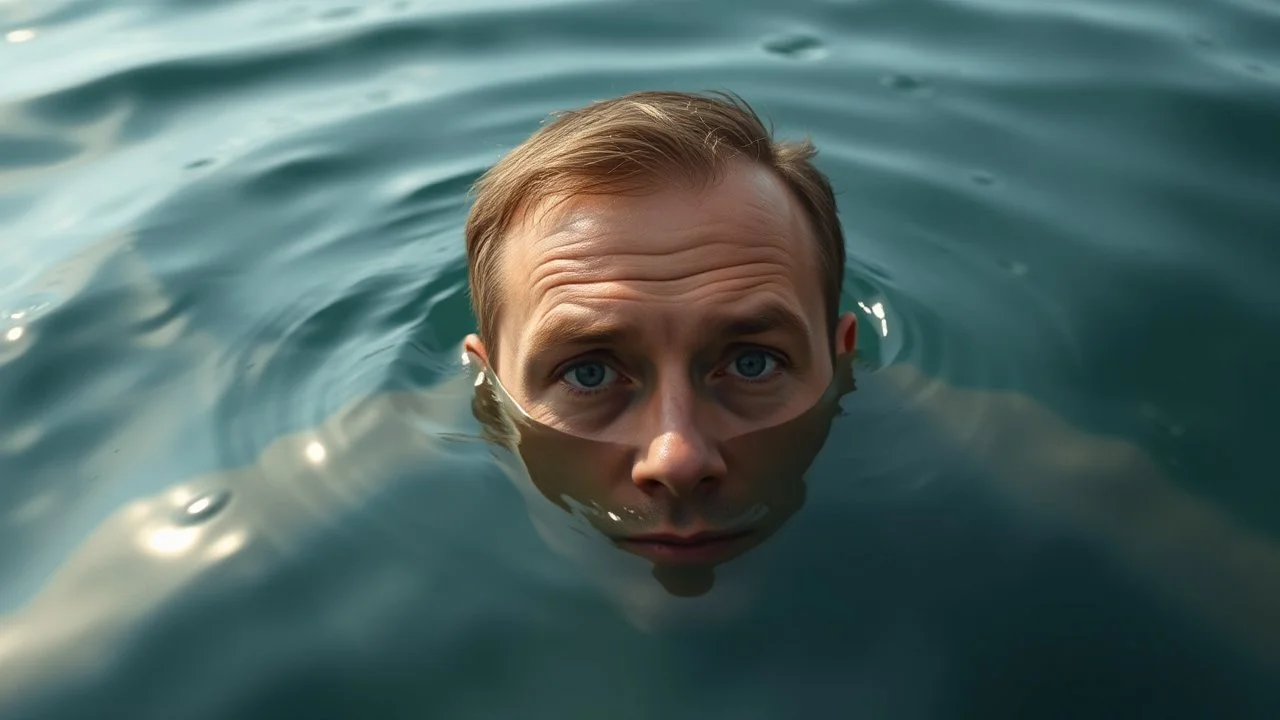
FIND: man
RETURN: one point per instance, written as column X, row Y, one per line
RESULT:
column 655, row 272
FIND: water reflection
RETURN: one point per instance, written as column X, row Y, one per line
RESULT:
column 169, row 541
column 20, row 36
column 384, row 503
column 876, row 310
column 203, row 507
column 316, row 453
column 227, row 545
column 762, row 486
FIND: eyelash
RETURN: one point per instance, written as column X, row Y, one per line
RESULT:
column 577, row 363
column 780, row 358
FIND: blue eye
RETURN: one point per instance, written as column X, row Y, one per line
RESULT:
column 591, row 375
column 754, row 364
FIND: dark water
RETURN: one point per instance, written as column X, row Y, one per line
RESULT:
column 238, row 477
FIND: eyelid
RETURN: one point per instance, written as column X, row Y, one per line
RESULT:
column 780, row 357
column 737, row 351
column 564, row 369
column 558, row 374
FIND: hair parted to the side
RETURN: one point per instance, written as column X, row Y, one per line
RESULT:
column 622, row 146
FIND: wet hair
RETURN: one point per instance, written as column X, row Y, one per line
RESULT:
column 627, row 145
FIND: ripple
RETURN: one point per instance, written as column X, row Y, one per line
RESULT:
column 903, row 82
column 796, row 46
column 20, row 36
column 339, row 13
column 29, row 151
column 1203, row 41
column 299, row 188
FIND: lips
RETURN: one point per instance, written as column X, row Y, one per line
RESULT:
column 708, row 547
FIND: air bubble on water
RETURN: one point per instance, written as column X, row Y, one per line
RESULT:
column 798, row 46
column 982, row 178
column 197, row 164
column 1203, row 40
column 203, row 507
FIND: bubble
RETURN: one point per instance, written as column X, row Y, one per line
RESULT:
column 982, row 178
column 203, row 507
column 197, row 164
column 796, row 46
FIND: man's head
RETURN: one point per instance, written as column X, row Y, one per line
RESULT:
column 656, row 272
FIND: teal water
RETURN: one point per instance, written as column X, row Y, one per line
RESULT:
column 238, row 477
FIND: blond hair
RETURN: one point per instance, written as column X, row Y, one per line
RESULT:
column 622, row 146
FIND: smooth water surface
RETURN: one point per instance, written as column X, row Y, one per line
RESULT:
column 238, row 473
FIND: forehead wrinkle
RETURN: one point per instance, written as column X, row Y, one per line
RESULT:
column 595, row 248
column 582, row 256
column 690, row 287
column 614, row 299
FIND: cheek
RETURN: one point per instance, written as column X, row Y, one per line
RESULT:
column 583, row 470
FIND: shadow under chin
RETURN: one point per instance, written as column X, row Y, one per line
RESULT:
column 685, row 582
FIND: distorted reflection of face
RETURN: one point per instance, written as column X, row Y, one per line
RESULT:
column 665, row 329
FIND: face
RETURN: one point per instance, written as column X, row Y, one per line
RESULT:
column 667, row 327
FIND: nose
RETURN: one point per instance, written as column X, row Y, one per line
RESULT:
column 681, row 459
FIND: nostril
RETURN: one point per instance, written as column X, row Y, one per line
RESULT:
column 676, row 487
column 651, row 486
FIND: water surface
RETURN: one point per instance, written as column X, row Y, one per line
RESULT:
column 238, row 475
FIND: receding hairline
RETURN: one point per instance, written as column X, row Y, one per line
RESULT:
column 537, row 209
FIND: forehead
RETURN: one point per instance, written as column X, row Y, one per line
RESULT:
column 681, row 246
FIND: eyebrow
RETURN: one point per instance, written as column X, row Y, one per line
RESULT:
column 581, row 330
column 767, row 318
column 577, row 330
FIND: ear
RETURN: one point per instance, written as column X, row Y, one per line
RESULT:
column 473, row 344
column 846, row 338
